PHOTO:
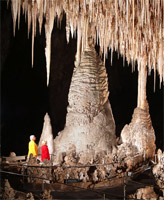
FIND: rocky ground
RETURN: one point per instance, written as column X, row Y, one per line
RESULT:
column 141, row 185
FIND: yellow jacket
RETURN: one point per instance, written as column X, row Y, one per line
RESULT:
column 32, row 148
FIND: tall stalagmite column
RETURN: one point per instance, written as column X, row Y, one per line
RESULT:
column 90, row 127
column 142, row 79
column 140, row 133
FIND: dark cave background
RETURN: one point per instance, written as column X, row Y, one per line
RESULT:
column 25, row 97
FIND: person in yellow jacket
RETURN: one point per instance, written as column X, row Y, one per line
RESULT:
column 32, row 147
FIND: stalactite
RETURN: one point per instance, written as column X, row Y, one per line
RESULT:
column 142, row 80
column 129, row 27
column 143, row 87
column 160, row 60
column 33, row 34
column 19, row 10
column 14, row 13
column 78, row 45
column 67, row 29
column 139, row 87
column 40, row 7
column 48, row 27
column 29, row 20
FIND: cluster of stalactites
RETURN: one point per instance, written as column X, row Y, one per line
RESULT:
column 35, row 11
column 135, row 29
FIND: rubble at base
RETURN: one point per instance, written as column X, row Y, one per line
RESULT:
column 144, row 193
column 158, row 170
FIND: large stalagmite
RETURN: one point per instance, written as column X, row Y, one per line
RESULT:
column 90, row 127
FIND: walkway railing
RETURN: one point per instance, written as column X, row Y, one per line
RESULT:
column 125, row 175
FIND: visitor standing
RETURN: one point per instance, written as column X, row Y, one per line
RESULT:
column 44, row 151
column 32, row 147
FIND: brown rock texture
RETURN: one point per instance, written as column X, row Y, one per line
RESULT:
column 145, row 193
column 158, row 170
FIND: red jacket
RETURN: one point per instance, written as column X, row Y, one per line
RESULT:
column 44, row 152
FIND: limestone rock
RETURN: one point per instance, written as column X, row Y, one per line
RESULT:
column 12, row 154
column 90, row 126
column 145, row 193
column 9, row 193
column 47, row 195
column 139, row 134
column 30, row 196
column 158, row 170
column 46, row 135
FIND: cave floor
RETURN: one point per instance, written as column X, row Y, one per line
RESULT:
column 111, row 189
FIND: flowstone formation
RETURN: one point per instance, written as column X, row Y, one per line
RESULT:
column 90, row 127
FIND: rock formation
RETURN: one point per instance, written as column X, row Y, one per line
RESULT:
column 47, row 195
column 158, row 170
column 133, row 28
column 30, row 196
column 89, row 124
column 90, row 127
column 9, row 192
column 139, row 134
column 144, row 193
column 46, row 135
column 37, row 169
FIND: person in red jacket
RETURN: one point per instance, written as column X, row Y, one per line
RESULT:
column 44, row 151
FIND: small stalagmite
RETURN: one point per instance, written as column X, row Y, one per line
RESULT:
column 90, row 126
column 46, row 135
